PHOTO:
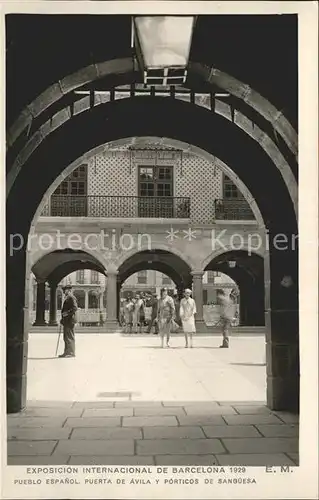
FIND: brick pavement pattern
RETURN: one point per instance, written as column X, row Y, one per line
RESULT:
column 183, row 423
column 164, row 439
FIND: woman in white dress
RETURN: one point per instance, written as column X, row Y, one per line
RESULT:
column 187, row 313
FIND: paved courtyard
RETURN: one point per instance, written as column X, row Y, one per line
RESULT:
column 124, row 400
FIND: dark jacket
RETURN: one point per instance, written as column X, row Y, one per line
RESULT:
column 69, row 309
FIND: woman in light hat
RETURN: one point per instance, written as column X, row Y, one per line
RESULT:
column 187, row 313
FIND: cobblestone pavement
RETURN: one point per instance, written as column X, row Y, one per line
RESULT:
column 123, row 400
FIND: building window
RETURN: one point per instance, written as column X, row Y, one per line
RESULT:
column 155, row 191
column 166, row 280
column 142, row 277
column 69, row 199
column 80, row 298
column 93, row 300
column 210, row 276
column 231, row 191
column 80, row 276
column 94, row 277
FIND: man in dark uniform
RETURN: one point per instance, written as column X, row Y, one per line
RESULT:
column 68, row 321
column 177, row 304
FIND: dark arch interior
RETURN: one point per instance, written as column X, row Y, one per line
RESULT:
column 158, row 260
column 248, row 273
column 54, row 266
column 228, row 42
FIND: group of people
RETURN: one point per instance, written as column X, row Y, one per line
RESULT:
column 168, row 314
column 132, row 312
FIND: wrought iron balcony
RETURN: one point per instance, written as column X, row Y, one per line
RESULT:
column 232, row 209
column 118, row 206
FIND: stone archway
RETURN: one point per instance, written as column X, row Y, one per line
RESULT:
column 157, row 259
column 51, row 268
column 210, row 75
column 196, row 126
column 250, row 128
column 164, row 261
column 58, row 263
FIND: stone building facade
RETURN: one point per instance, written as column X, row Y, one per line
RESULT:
column 150, row 200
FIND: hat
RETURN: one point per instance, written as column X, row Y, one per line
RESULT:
column 188, row 290
column 67, row 287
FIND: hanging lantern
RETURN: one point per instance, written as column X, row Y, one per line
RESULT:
column 163, row 46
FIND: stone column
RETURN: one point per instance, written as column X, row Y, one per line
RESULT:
column 282, row 326
column 111, row 302
column 86, row 300
column 40, row 312
column 53, row 304
column 253, row 299
column 198, row 297
column 17, row 324
column 118, row 296
column 198, row 293
column 101, row 301
column 244, row 303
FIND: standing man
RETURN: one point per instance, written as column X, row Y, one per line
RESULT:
column 68, row 321
column 187, row 313
column 153, row 320
column 165, row 316
column 226, row 311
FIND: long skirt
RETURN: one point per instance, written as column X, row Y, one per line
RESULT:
column 128, row 317
column 189, row 325
column 164, row 326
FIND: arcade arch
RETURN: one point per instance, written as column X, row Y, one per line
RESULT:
column 157, row 259
column 210, row 75
column 252, row 130
column 51, row 268
column 247, row 271
column 187, row 123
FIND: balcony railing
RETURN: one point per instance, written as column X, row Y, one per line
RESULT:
column 118, row 206
column 227, row 209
